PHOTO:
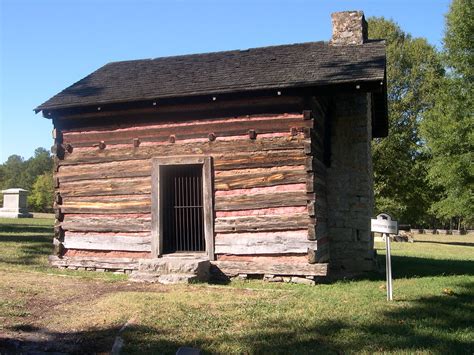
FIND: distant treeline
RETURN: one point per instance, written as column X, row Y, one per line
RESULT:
column 34, row 175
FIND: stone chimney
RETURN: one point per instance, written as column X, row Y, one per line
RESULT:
column 348, row 27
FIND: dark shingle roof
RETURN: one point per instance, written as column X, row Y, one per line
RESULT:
column 286, row 66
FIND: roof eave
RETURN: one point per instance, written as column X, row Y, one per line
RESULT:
column 372, row 84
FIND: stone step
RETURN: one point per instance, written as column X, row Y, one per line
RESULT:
column 170, row 270
column 174, row 265
column 166, row 279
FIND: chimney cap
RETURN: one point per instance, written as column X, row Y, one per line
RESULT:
column 348, row 27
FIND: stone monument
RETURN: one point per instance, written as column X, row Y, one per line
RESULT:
column 15, row 204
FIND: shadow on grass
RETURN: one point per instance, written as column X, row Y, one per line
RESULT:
column 433, row 324
column 25, row 228
column 462, row 244
column 25, row 250
column 438, row 324
column 410, row 267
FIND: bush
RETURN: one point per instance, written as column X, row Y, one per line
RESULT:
column 42, row 195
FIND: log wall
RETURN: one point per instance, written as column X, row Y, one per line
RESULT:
column 263, row 172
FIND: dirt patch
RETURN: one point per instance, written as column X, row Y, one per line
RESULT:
column 40, row 298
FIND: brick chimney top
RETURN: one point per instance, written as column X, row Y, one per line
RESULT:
column 348, row 27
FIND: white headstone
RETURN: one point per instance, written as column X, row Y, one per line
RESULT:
column 15, row 204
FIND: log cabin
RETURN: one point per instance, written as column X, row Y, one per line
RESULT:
column 247, row 162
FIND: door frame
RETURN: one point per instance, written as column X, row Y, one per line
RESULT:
column 207, row 194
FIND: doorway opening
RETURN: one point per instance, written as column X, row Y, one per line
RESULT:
column 182, row 212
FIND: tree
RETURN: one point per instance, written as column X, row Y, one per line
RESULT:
column 413, row 71
column 459, row 38
column 13, row 175
column 449, row 126
column 37, row 165
column 16, row 172
column 42, row 194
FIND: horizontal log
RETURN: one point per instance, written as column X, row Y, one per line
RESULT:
column 243, row 145
column 264, row 189
column 259, row 200
column 107, row 242
column 120, row 186
column 106, row 224
column 287, row 258
column 263, row 211
column 167, row 108
column 224, row 180
column 196, row 129
column 261, row 223
column 249, row 178
column 142, row 168
column 97, row 262
column 238, row 160
column 233, row 268
column 110, row 204
column 284, row 242
column 119, row 169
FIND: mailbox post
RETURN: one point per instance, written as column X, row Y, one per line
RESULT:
column 384, row 224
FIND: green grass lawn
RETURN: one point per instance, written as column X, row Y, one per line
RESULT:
column 57, row 310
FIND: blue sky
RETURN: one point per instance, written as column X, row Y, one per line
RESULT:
column 46, row 45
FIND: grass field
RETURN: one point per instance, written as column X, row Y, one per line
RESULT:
column 44, row 309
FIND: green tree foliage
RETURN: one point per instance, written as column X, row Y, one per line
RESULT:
column 17, row 172
column 13, row 173
column 459, row 38
column 40, row 163
column 413, row 71
column 42, row 194
column 449, row 125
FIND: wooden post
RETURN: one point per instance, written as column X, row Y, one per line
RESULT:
column 208, row 207
column 156, row 225
column 388, row 266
